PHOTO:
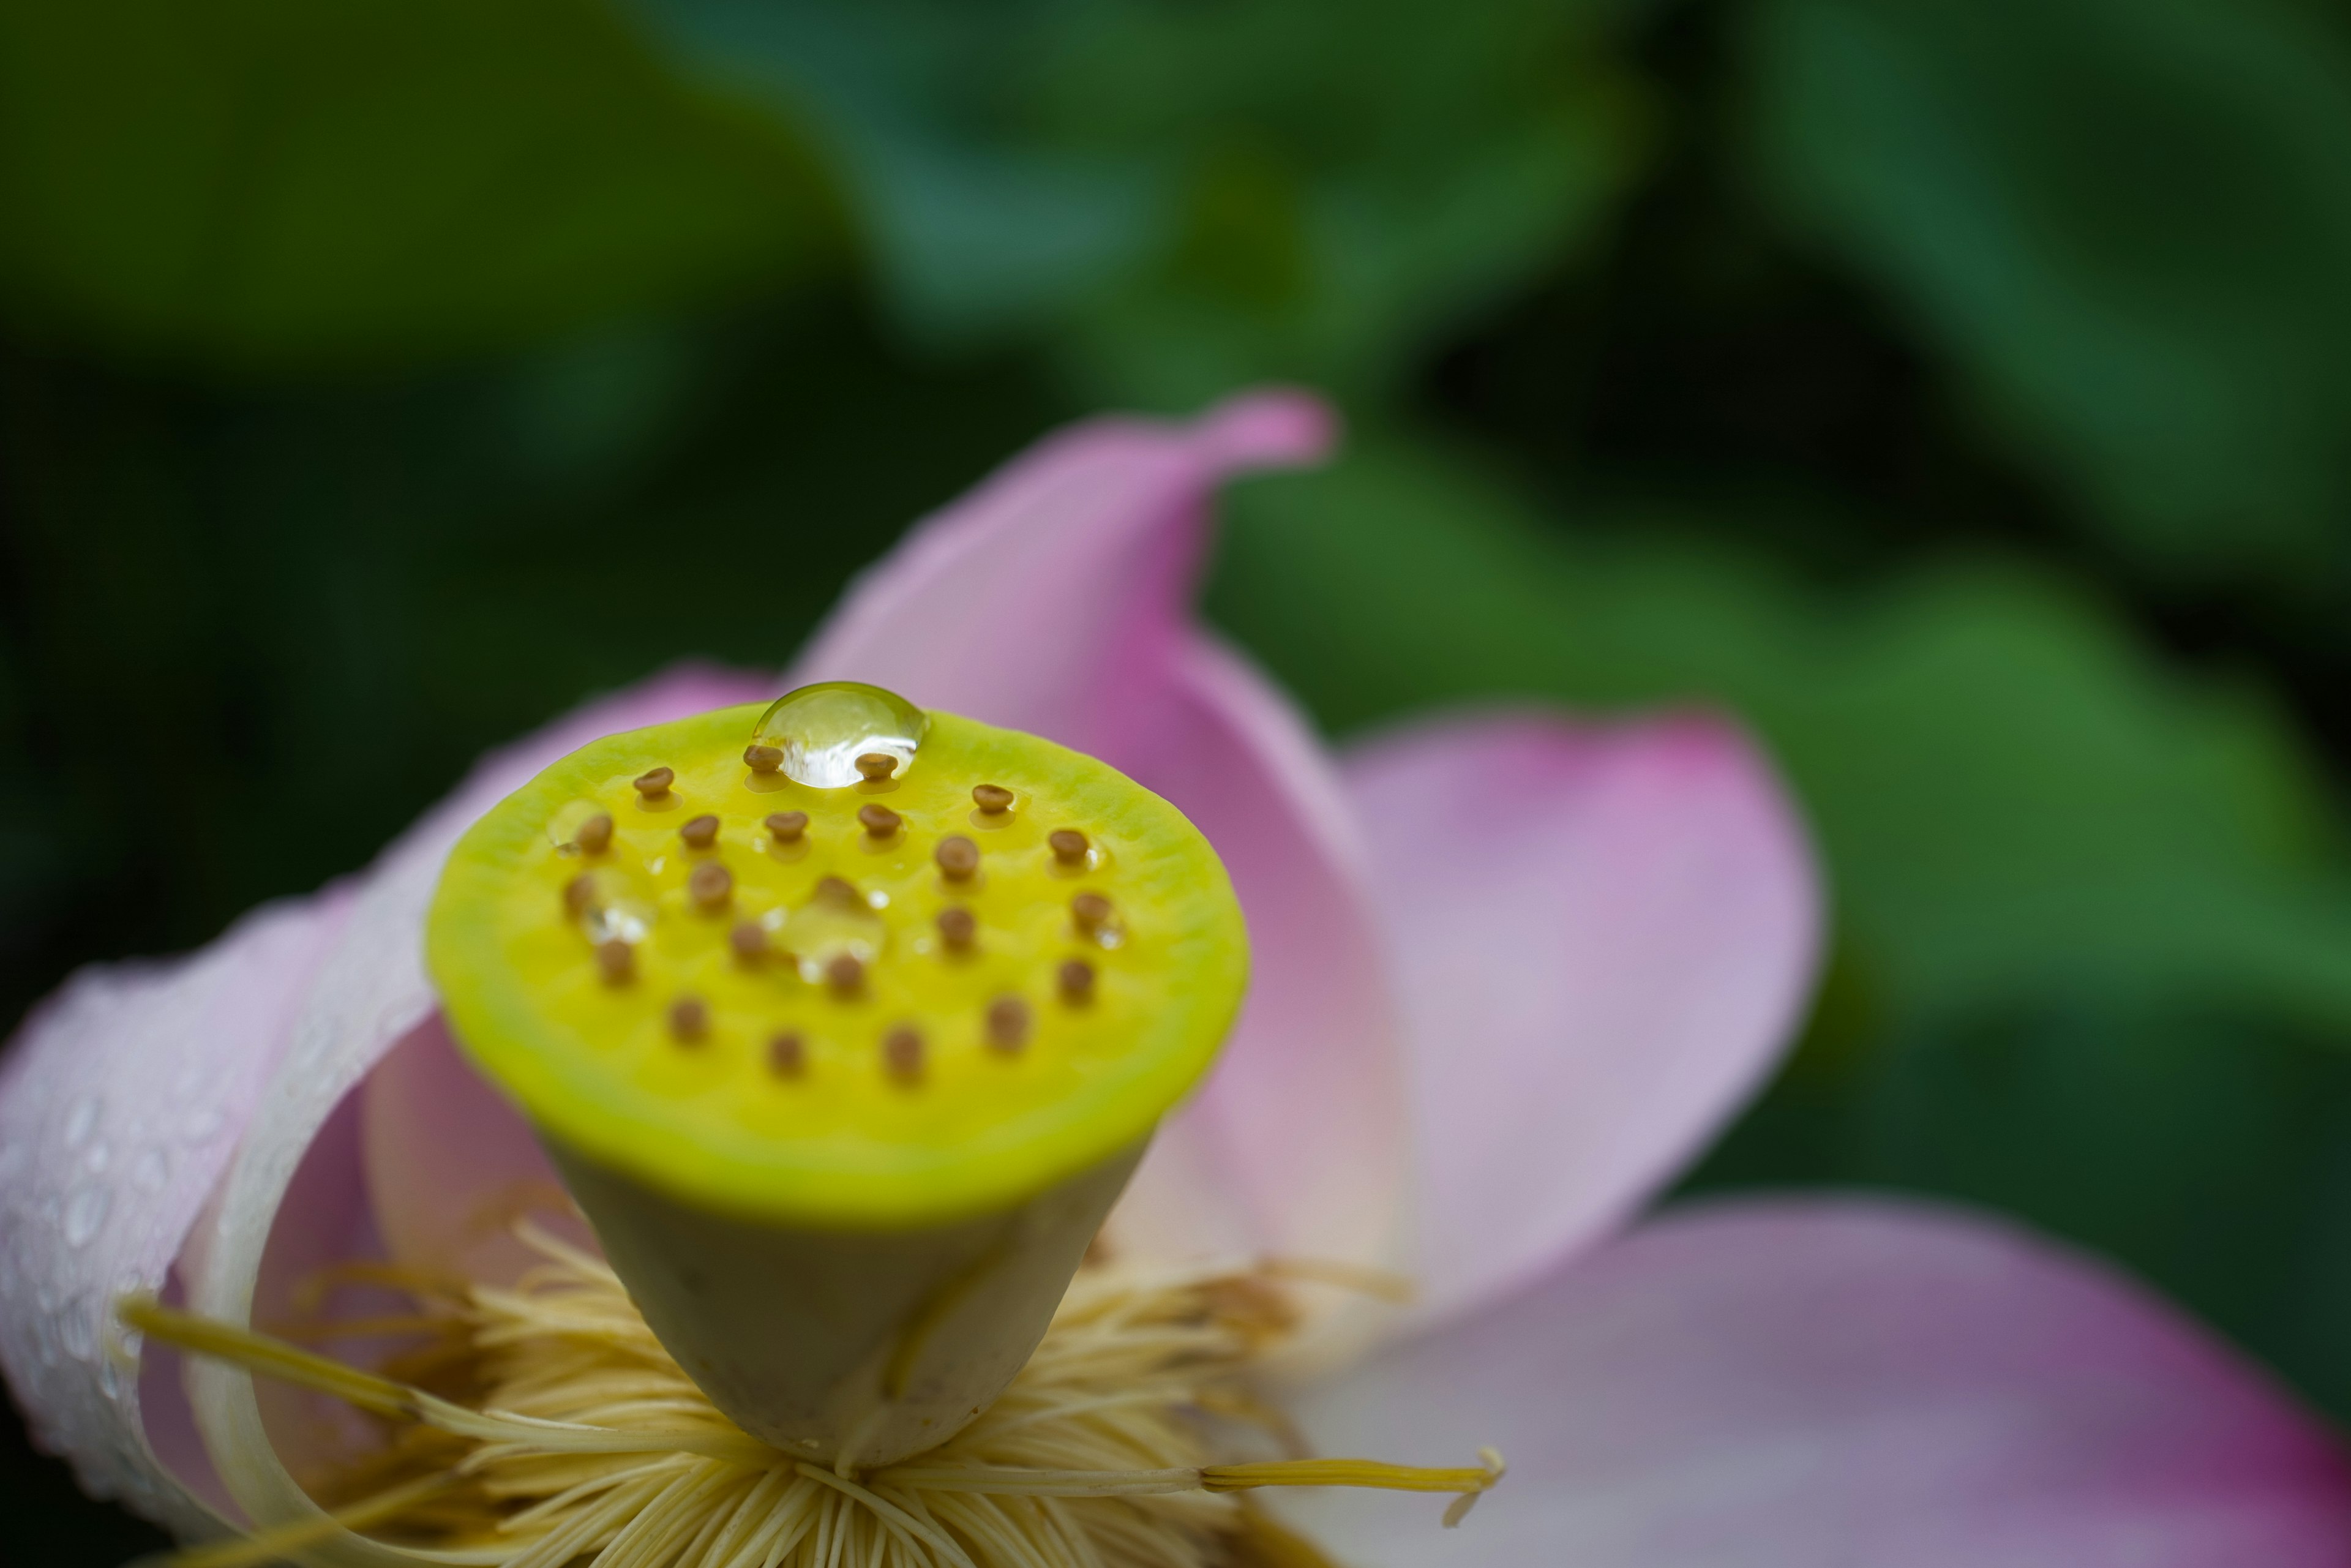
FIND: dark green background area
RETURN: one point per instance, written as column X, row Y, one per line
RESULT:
column 1960, row 391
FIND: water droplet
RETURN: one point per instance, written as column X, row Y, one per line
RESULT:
column 85, row 1212
column 626, row 920
column 823, row 729
column 80, row 1120
column 610, row 907
column 563, row 828
column 151, row 1171
column 824, row 929
column 201, row 1124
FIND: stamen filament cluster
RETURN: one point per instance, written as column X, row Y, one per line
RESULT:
column 543, row 1424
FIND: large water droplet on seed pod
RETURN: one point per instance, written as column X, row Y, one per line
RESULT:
column 823, row 729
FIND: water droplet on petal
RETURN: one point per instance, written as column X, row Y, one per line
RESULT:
column 823, row 729
column 80, row 1119
column 85, row 1212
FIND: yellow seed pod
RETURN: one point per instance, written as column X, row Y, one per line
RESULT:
column 840, row 985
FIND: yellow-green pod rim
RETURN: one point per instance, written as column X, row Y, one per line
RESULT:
column 638, row 1022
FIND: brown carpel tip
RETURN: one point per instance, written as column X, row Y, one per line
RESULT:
column 1008, row 1024
column 840, row 891
column 1068, row 844
column 1091, row 911
column 845, row 972
column 616, row 961
column 689, row 1020
column 595, row 834
column 710, row 886
column 749, row 940
column 902, row 1053
column 699, row 832
column 1075, row 980
column 652, row 786
column 579, row 894
column 880, row 821
column 873, row 767
column 787, row 826
column 763, row 759
column 993, row 798
column 958, row 857
column 957, row 929
column 786, row 1055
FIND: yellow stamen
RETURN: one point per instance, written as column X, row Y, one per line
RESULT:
column 563, row 1433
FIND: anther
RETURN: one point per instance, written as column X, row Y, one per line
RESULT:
column 994, row 799
column 902, row 1053
column 652, row 786
column 876, row 765
column 786, row 1055
column 616, row 961
column 845, row 972
column 749, row 940
column 1068, row 844
column 787, row 826
column 700, row 832
column 1008, row 1024
column 579, row 894
column 763, row 759
column 839, row 891
column 957, row 929
column 880, row 820
column 689, row 1020
column 1076, row 980
column 958, row 857
column 595, row 834
column 1091, row 911
column 710, row 886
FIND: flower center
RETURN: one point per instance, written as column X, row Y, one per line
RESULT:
column 543, row 1423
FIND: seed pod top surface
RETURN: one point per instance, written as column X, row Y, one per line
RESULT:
column 887, row 997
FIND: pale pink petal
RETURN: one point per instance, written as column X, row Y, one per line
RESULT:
column 450, row 1162
column 1298, row 1143
column 121, row 1103
column 1057, row 599
column 128, row 1097
column 1792, row 1384
column 1604, row 936
column 1052, row 597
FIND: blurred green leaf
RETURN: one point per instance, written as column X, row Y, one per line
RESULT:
column 2010, row 796
column 1188, row 197
column 2126, row 221
column 265, row 183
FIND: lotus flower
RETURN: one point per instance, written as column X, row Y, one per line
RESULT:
column 1512, row 969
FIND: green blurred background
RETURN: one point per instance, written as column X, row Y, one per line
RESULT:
column 1959, row 389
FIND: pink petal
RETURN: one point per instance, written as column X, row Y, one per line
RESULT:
column 1052, row 597
column 1297, row 1143
column 1604, row 936
column 1791, row 1383
column 121, row 1103
column 1057, row 599
column 450, row 1162
column 128, row 1099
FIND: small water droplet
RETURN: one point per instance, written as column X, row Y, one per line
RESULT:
column 563, row 828
column 151, row 1171
column 96, row 1161
column 80, row 1120
column 201, row 1124
column 85, row 1212
column 823, row 729
column 619, row 920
